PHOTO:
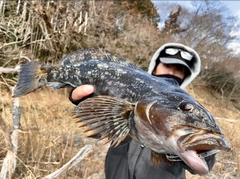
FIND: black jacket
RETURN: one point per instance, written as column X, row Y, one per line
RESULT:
column 133, row 161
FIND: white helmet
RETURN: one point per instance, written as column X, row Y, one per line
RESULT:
column 189, row 58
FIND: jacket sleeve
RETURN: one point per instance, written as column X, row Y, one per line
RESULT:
column 210, row 162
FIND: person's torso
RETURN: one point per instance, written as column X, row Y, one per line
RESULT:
column 132, row 161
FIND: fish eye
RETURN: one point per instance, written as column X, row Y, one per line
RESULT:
column 185, row 106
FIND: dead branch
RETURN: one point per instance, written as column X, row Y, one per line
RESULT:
column 11, row 139
column 10, row 70
column 74, row 161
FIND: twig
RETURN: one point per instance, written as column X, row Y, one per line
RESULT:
column 10, row 43
column 226, row 119
column 74, row 161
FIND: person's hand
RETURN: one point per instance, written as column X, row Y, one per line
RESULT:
column 82, row 91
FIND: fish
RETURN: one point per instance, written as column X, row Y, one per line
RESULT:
column 130, row 103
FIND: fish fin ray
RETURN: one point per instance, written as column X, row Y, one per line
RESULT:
column 105, row 115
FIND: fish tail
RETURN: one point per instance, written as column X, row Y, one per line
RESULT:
column 32, row 76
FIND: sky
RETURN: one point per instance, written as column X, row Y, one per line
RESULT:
column 233, row 6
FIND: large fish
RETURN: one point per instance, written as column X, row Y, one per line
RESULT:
column 130, row 102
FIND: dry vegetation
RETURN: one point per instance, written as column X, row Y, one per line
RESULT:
column 49, row 136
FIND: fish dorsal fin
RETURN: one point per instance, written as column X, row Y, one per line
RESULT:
column 94, row 54
column 157, row 158
column 105, row 115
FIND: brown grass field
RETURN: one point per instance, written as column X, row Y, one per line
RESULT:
column 49, row 136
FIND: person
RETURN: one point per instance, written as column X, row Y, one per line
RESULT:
column 174, row 62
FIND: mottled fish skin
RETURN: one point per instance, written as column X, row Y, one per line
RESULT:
column 130, row 84
column 158, row 114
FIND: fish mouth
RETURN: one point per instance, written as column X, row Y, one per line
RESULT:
column 193, row 146
column 202, row 141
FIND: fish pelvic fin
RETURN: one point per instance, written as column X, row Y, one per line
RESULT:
column 157, row 158
column 105, row 115
column 32, row 76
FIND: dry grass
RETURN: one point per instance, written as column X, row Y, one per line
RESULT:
column 50, row 137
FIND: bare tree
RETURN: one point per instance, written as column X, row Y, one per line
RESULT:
column 206, row 26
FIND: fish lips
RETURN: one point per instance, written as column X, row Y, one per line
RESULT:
column 193, row 144
column 203, row 141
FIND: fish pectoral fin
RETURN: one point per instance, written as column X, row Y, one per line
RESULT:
column 105, row 115
column 157, row 158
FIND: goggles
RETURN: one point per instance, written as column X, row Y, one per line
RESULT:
column 185, row 55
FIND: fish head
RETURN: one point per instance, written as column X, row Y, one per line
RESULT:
column 178, row 124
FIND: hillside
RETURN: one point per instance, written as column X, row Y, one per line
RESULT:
column 50, row 137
